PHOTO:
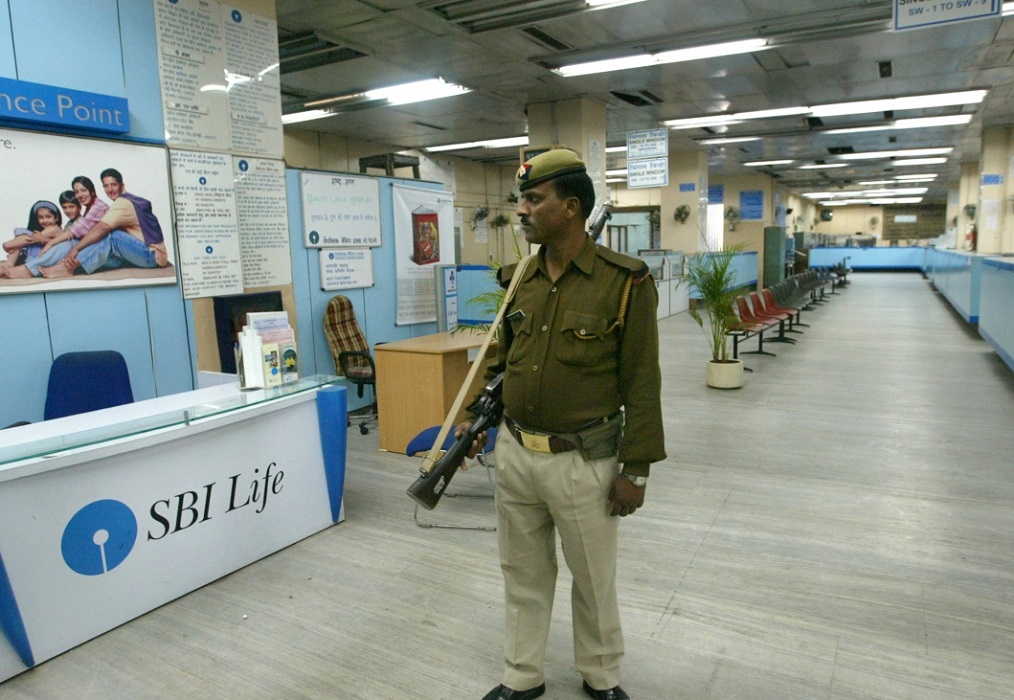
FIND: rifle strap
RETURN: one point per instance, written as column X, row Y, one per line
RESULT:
column 434, row 453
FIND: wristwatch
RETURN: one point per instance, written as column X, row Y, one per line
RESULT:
column 638, row 481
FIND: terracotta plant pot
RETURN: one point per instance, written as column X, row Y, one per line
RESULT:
column 725, row 375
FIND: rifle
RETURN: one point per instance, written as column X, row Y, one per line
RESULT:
column 602, row 212
column 488, row 409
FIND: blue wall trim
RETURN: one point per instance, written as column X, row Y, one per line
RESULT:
column 332, row 405
column 1004, row 355
column 10, row 619
column 1002, row 264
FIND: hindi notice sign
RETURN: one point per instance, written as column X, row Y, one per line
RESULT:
column 262, row 216
column 345, row 268
column 648, row 143
column 918, row 14
column 340, row 211
column 209, row 248
column 648, row 172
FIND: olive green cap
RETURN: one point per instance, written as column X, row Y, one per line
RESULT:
column 548, row 165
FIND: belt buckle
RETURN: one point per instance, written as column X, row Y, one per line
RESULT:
column 539, row 443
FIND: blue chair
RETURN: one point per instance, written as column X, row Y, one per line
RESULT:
column 423, row 442
column 87, row 381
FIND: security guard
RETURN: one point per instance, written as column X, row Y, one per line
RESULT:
column 581, row 396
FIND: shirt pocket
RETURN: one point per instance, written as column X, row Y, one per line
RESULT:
column 522, row 339
column 584, row 340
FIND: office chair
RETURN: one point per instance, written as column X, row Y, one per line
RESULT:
column 87, row 381
column 351, row 354
column 422, row 443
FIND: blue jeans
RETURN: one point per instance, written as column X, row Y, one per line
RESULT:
column 117, row 249
column 50, row 257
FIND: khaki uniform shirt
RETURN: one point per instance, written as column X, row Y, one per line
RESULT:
column 566, row 364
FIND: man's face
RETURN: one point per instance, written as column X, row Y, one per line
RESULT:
column 113, row 189
column 544, row 216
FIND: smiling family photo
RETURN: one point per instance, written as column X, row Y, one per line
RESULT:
column 84, row 213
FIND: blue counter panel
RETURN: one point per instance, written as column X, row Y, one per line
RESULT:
column 956, row 276
column 870, row 258
column 996, row 312
column 744, row 271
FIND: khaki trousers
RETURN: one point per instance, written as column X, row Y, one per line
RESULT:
column 535, row 494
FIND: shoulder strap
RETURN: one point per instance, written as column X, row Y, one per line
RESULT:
column 434, row 453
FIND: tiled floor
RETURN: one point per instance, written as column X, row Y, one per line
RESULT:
column 840, row 528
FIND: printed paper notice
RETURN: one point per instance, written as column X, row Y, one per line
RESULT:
column 346, row 268
column 263, row 221
column 251, row 65
column 423, row 237
column 191, row 62
column 340, row 211
column 206, row 224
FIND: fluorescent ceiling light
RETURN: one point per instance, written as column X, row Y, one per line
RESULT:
column 822, row 166
column 841, row 108
column 492, row 143
column 920, row 161
column 931, row 176
column 769, row 162
column 731, row 139
column 903, row 153
column 616, row 149
column 734, row 117
column 418, row 91
column 606, row 65
column 877, row 182
column 886, row 192
column 692, row 53
column 306, row 116
column 944, row 99
column 606, row 4
column 616, row 173
column 772, row 113
column 614, row 180
column 918, row 123
column 928, row 178
column 727, row 48
column 698, row 122
column 885, row 200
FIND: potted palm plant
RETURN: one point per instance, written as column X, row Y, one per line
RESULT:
column 712, row 276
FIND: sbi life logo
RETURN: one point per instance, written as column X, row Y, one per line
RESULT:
column 99, row 537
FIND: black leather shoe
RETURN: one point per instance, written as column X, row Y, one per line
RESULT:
column 502, row 692
column 616, row 693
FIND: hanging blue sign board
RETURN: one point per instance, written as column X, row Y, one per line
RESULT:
column 992, row 179
column 687, row 187
column 716, row 193
column 35, row 103
column 751, row 205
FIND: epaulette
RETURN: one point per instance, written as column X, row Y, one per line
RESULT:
column 505, row 273
column 637, row 267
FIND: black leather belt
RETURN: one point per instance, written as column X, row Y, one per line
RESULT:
column 539, row 442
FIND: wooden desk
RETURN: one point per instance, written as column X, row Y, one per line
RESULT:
column 417, row 381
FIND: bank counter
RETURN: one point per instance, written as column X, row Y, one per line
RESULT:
column 996, row 310
column 109, row 514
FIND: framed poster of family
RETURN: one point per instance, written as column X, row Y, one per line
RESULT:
column 82, row 213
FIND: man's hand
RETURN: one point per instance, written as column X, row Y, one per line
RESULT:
column 477, row 445
column 624, row 497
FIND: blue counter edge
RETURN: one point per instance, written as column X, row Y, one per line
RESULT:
column 1002, row 264
column 332, row 417
column 1004, row 355
column 10, row 619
